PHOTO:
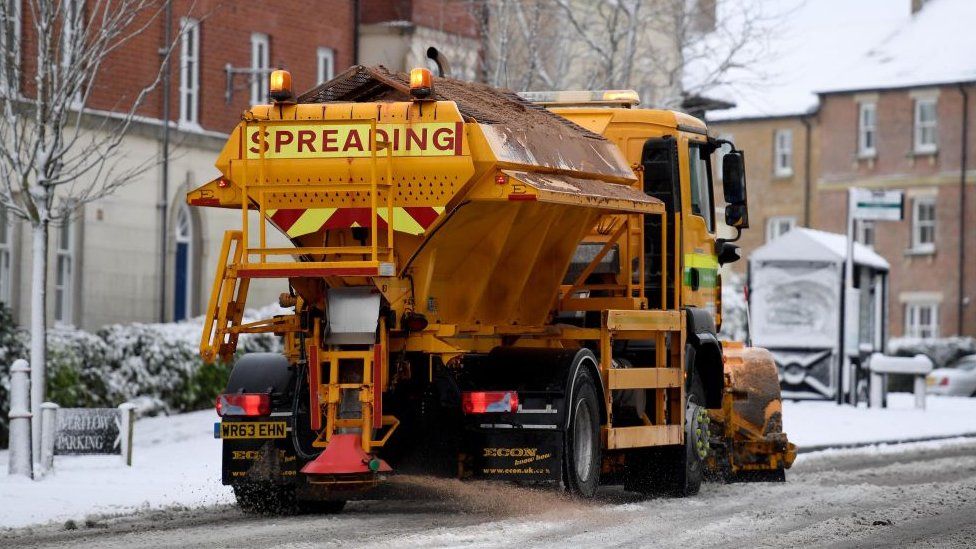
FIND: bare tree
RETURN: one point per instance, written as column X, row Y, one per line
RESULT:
column 58, row 153
column 665, row 49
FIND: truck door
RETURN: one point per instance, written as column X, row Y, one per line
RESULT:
column 700, row 264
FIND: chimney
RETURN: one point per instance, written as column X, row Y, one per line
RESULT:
column 917, row 6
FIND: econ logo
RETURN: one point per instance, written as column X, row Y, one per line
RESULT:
column 353, row 140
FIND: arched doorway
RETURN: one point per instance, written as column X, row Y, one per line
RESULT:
column 183, row 264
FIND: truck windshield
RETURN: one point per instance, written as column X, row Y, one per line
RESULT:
column 701, row 185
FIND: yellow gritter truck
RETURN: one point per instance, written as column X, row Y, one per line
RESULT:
column 484, row 285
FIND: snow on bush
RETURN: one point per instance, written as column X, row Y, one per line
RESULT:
column 941, row 350
column 734, row 307
column 158, row 364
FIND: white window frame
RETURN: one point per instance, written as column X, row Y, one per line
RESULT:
column 866, row 232
column 920, row 244
column 10, row 46
column 189, row 71
column 783, row 152
column 64, row 274
column 720, row 154
column 920, row 126
column 325, row 61
column 260, row 63
column 867, row 129
column 6, row 256
column 775, row 226
column 914, row 326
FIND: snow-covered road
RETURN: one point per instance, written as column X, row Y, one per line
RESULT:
column 913, row 494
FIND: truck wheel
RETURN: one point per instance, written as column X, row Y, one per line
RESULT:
column 675, row 470
column 582, row 456
column 265, row 498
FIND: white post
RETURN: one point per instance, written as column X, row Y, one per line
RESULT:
column 38, row 323
column 877, row 390
column 128, row 412
column 49, row 432
column 920, row 392
column 20, row 418
column 843, row 383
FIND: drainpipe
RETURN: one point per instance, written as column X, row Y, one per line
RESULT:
column 963, row 161
column 164, row 184
column 807, row 184
column 355, row 31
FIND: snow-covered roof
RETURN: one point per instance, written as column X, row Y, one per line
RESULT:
column 935, row 46
column 805, row 44
column 802, row 244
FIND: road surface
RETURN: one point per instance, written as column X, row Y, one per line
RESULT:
column 916, row 495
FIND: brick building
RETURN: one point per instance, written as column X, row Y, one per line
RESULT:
column 894, row 111
column 899, row 120
column 142, row 254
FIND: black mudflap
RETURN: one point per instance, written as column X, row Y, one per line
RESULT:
column 259, row 461
column 516, row 454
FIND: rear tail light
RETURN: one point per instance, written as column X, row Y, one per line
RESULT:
column 944, row 381
column 244, row 404
column 481, row 402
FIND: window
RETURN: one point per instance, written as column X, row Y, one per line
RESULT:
column 6, row 255
column 189, row 71
column 922, row 320
column 9, row 42
column 779, row 225
column 865, row 232
column 867, row 130
column 183, row 264
column 720, row 154
column 326, row 64
column 64, row 274
column 259, row 67
column 923, row 224
column 925, row 126
column 701, row 185
column 783, row 153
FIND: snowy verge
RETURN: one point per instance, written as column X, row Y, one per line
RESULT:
column 176, row 460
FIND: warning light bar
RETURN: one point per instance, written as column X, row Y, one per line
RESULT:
column 486, row 402
column 244, row 404
column 583, row 98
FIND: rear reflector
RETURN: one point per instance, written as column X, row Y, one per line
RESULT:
column 481, row 402
column 945, row 381
column 244, row 404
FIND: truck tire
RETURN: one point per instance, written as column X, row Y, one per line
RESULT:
column 581, row 465
column 675, row 471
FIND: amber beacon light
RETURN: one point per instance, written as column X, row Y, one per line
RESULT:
column 421, row 83
column 280, row 84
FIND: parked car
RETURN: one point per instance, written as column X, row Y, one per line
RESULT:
column 959, row 379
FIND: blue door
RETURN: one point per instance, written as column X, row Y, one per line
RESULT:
column 180, row 292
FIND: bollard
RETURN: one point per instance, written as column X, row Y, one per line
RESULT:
column 920, row 392
column 128, row 412
column 20, row 418
column 876, row 399
column 49, row 432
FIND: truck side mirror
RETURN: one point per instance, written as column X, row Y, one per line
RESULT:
column 734, row 188
column 728, row 253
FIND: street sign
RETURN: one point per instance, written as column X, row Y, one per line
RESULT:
column 878, row 205
column 86, row 431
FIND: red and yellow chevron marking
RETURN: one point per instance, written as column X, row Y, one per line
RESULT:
column 297, row 222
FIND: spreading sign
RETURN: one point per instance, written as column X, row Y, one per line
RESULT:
column 84, row 431
column 878, row 205
column 354, row 140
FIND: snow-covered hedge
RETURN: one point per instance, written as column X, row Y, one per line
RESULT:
column 155, row 363
column 941, row 350
column 733, row 307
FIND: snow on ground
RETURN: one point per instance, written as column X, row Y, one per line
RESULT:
column 818, row 423
column 176, row 460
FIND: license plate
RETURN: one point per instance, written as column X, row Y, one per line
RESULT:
column 255, row 429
